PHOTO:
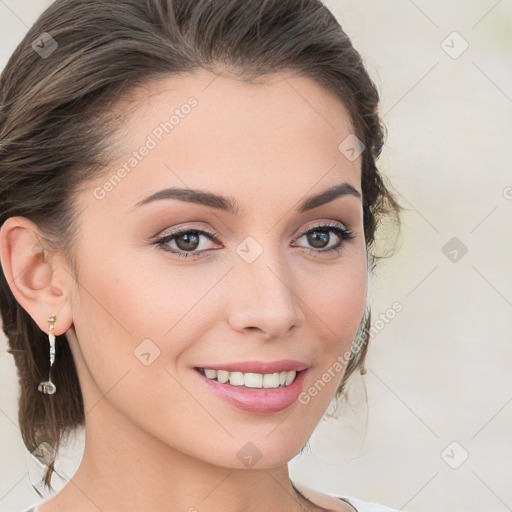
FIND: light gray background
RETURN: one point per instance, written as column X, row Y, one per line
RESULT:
column 439, row 372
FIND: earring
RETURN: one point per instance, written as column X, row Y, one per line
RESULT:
column 48, row 387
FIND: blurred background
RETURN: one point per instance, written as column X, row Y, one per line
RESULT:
column 429, row 427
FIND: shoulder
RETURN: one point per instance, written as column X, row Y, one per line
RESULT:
column 342, row 504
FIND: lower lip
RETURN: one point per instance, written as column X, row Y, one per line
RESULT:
column 259, row 400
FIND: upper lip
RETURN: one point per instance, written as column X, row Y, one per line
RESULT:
column 285, row 365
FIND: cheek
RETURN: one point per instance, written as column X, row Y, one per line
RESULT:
column 130, row 349
column 136, row 297
column 121, row 316
column 337, row 305
column 336, row 301
column 136, row 323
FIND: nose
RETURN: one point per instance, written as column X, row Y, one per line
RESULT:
column 262, row 298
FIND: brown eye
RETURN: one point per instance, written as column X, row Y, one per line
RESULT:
column 187, row 242
column 318, row 239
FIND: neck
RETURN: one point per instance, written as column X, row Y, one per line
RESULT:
column 126, row 469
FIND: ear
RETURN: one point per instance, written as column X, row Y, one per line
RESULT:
column 38, row 279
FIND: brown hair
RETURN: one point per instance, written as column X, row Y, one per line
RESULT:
column 56, row 127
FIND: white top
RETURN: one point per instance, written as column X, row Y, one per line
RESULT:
column 367, row 506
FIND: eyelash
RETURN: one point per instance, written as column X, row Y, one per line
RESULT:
column 345, row 235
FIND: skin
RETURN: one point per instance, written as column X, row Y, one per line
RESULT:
column 156, row 429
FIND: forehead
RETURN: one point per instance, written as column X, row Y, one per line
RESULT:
column 282, row 101
column 209, row 83
column 205, row 130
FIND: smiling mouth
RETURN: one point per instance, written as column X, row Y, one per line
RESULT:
column 250, row 380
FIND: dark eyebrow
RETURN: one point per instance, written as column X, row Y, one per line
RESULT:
column 230, row 205
column 343, row 189
column 190, row 195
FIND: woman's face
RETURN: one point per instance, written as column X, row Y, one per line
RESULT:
column 253, row 277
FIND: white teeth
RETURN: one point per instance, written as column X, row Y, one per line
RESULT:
column 290, row 377
column 271, row 380
column 236, row 378
column 222, row 375
column 252, row 380
column 211, row 374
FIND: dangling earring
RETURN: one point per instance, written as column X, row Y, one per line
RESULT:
column 48, row 387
